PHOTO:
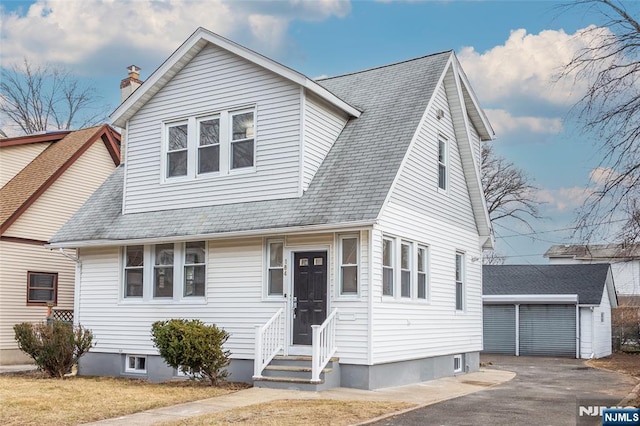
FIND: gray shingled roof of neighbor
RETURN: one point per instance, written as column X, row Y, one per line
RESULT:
column 595, row 251
column 587, row 281
column 350, row 185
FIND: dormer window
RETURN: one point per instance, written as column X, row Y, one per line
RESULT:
column 215, row 144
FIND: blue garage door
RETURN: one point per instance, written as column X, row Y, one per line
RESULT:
column 548, row 330
column 499, row 329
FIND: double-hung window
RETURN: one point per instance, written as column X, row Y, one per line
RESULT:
column 459, row 281
column 215, row 144
column 348, row 264
column 275, row 267
column 423, row 283
column 443, row 157
column 170, row 271
column 42, row 288
column 405, row 269
column 163, row 271
column 209, row 145
column 177, row 149
column 242, row 143
column 134, row 271
column 388, row 266
column 194, row 269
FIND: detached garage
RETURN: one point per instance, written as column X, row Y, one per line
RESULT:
column 549, row 310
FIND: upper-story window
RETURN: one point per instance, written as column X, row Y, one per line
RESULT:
column 177, row 149
column 443, row 158
column 209, row 145
column 242, row 145
column 219, row 143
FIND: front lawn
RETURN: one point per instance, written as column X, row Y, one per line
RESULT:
column 297, row 412
column 31, row 399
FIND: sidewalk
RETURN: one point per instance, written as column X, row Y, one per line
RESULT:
column 421, row 394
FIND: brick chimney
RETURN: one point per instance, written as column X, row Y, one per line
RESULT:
column 131, row 83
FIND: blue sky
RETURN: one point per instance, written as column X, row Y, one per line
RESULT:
column 510, row 51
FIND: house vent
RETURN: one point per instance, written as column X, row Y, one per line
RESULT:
column 439, row 113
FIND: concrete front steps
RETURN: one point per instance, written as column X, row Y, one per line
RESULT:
column 294, row 372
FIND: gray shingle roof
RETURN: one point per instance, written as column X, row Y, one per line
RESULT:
column 587, row 281
column 595, row 251
column 350, row 185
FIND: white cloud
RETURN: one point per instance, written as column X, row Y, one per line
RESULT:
column 601, row 175
column 503, row 122
column 525, row 67
column 563, row 199
column 78, row 32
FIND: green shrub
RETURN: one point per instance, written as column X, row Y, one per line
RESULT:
column 193, row 347
column 55, row 347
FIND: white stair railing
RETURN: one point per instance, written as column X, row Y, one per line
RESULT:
column 323, row 345
column 269, row 341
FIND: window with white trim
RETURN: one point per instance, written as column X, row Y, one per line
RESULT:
column 165, row 271
column 275, row 267
column 460, row 281
column 133, row 271
column 348, row 264
column 177, row 149
column 216, row 144
column 423, row 273
column 443, row 158
column 388, row 265
column 194, row 269
column 208, row 145
column 136, row 364
column 242, row 142
column 405, row 269
column 457, row 363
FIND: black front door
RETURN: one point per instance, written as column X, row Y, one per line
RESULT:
column 310, row 293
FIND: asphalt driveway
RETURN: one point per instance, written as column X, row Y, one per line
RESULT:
column 545, row 391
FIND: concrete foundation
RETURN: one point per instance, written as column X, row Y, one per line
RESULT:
column 366, row 377
column 14, row 357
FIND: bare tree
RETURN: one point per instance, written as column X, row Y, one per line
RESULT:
column 507, row 189
column 609, row 111
column 491, row 257
column 40, row 98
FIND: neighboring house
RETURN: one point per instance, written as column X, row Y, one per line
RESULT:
column 341, row 217
column 624, row 260
column 551, row 310
column 44, row 179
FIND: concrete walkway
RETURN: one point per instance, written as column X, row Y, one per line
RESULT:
column 421, row 394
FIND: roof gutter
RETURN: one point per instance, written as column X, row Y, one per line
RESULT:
column 531, row 298
column 305, row 229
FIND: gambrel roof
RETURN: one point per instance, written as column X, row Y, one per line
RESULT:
column 34, row 179
column 350, row 187
column 588, row 282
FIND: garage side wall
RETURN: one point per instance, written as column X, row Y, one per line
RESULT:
column 602, row 327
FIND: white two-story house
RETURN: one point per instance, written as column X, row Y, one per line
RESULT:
column 340, row 220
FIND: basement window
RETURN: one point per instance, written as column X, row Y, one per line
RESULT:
column 457, row 363
column 136, row 364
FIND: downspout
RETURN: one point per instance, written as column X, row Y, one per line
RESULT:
column 76, row 283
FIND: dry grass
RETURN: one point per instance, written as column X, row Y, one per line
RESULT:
column 298, row 412
column 622, row 362
column 31, row 399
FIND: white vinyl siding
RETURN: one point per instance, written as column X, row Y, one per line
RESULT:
column 416, row 211
column 234, row 299
column 213, row 81
column 322, row 126
column 65, row 196
column 602, row 329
